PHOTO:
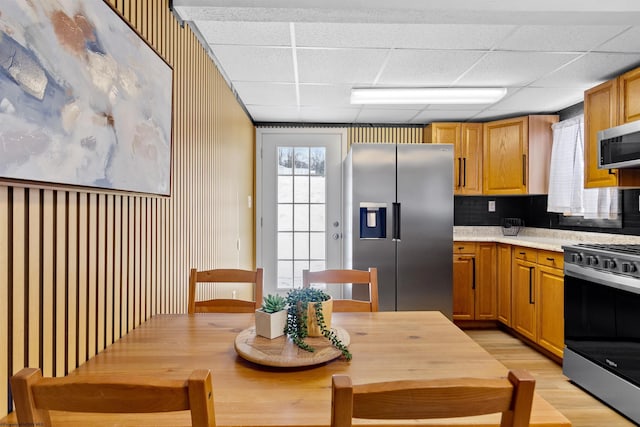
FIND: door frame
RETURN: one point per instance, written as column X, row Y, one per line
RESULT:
column 344, row 146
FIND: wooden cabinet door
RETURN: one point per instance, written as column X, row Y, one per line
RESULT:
column 505, row 156
column 600, row 112
column 550, row 307
column 486, row 298
column 523, row 298
column 471, row 159
column 463, row 284
column 504, row 283
column 629, row 96
column 448, row 133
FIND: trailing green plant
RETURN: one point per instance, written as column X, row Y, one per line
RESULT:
column 273, row 303
column 298, row 301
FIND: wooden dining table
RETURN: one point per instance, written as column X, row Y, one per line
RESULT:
column 385, row 346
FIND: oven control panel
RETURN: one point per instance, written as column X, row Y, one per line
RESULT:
column 615, row 259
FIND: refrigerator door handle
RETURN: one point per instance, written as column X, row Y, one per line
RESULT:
column 395, row 221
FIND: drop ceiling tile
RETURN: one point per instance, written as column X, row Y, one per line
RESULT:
column 419, row 36
column 513, row 68
column 559, row 38
column 378, row 115
column 409, row 67
column 325, row 95
column 589, row 70
column 328, row 115
column 262, row 113
column 245, row 33
column 263, row 93
column 533, row 100
column 339, row 66
column 628, row 41
column 257, row 64
column 428, row 116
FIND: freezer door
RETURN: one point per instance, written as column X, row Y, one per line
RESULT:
column 425, row 195
column 373, row 184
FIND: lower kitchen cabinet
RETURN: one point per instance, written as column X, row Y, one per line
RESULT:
column 474, row 281
column 504, row 283
column 538, row 297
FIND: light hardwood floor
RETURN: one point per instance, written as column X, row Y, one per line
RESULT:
column 582, row 409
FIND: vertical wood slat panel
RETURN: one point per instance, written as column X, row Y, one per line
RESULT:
column 35, row 345
column 18, row 282
column 61, row 294
column 48, row 278
column 109, row 264
column 101, row 231
column 83, row 284
column 130, row 264
column 4, row 296
column 92, row 275
column 117, row 268
column 72, row 281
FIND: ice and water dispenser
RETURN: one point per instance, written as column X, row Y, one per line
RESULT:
column 373, row 220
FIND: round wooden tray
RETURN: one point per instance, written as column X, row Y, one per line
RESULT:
column 282, row 352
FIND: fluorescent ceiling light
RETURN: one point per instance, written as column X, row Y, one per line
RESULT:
column 427, row 95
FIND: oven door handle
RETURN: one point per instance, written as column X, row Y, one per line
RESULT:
column 617, row 281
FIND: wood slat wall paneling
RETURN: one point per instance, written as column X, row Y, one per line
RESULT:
column 4, row 297
column 404, row 135
column 35, row 343
column 80, row 268
column 72, row 281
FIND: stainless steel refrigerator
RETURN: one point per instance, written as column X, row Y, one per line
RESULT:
column 399, row 218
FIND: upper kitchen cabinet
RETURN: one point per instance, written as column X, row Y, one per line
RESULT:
column 609, row 104
column 517, row 155
column 467, row 142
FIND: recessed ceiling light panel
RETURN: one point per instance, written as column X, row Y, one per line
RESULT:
column 427, row 95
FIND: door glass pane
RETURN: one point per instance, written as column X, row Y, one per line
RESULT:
column 301, row 208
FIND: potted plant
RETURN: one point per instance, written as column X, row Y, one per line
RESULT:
column 309, row 314
column 271, row 317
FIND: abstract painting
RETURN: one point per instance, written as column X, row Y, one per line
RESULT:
column 84, row 100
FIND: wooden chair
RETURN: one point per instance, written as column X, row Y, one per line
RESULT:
column 356, row 277
column 224, row 305
column 35, row 396
column 440, row 398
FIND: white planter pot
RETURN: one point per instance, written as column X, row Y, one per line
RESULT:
column 270, row 325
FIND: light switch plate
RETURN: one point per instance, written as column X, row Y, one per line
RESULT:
column 492, row 205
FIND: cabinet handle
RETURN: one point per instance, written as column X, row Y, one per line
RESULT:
column 531, row 301
column 551, row 259
column 611, row 172
column 464, row 173
column 473, row 276
column 459, row 171
column 524, row 169
column 522, row 253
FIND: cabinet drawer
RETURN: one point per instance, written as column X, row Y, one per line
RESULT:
column 527, row 254
column 551, row 259
column 464, row 248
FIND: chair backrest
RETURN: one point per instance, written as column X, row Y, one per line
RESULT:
column 35, row 396
column 427, row 399
column 356, row 278
column 225, row 305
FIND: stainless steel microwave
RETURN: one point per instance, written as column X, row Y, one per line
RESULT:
column 619, row 147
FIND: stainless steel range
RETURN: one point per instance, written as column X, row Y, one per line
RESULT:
column 602, row 323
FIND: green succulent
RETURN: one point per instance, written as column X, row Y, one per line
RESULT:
column 273, row 303
column 296, row 327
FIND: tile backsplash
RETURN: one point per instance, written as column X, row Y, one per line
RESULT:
column 474, row 210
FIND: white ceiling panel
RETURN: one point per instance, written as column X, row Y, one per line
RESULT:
column 514, row 68
column 328, row 115
column 629, row 41
column 245, row 33
column 590, row 68
column 408, row 67
column 555, row 38
column 545, row 52
column 414, row 36
column 374, row 115
column 539, row 100
column 256, row 64
column 338, row 66
column 261, row 93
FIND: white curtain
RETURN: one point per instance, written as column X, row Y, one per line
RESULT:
column 567, row 194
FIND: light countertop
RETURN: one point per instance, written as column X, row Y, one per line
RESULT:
column 538, row 238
